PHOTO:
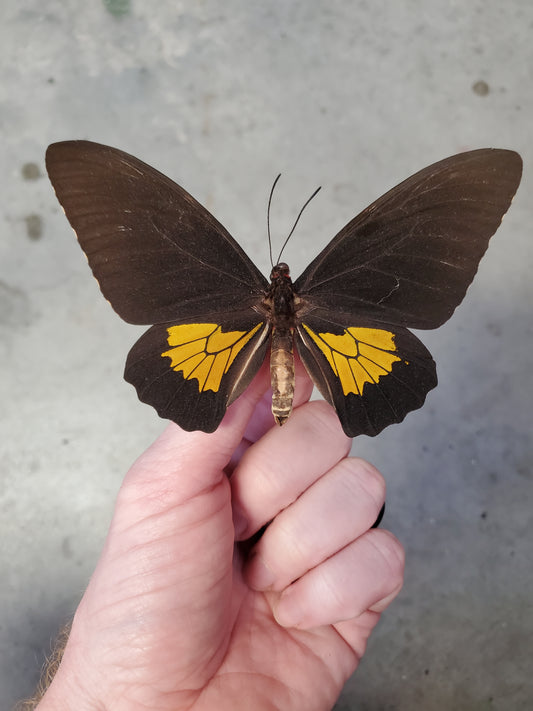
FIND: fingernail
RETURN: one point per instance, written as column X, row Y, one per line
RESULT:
column 259, row 576
column 288, row 612
column 386, row 601
column 240, row 523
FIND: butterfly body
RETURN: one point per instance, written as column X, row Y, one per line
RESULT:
column 161, row 258
column 281, row 303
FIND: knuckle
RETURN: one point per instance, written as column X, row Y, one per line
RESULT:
column 367, row 479
column 372, row 481
column 391, row 552
column 325, row 424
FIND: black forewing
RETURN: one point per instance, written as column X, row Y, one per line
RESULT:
column 155, row 251
column 410, row 256
column 179, row 398
column 382, row 403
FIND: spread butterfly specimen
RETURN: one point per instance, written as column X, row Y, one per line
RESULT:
column 161, row 258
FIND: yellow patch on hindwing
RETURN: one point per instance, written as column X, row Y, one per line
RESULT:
column 204, row 352
column 357, row 356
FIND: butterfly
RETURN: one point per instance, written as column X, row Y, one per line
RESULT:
column 161, row 258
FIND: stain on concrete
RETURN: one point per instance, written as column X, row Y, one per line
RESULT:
column 481, row 88
column 495, row 328
column 34, row 226
column 31, row 171
column 117, row 8
column 66, row 548
column 14, row 306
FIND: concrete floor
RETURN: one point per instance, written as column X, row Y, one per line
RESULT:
column 353, row 96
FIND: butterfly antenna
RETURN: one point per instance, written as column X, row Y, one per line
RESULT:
column 268, row 219
column 296, row 222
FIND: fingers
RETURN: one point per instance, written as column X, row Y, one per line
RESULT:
column 357, row 630
column 365, row 575
column 341, row 506
column 323, row 542
column 319, row 560
column 188, row 461
column 284, row 463
column 262, row 419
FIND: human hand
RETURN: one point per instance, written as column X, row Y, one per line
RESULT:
column 177, row 615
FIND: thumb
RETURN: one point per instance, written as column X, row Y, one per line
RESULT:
column 166, row 568
column 183, row 464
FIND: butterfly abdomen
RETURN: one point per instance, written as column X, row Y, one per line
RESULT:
column 280, row 304
column 282, row 373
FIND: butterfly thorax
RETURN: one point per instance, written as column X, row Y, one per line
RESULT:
column 280, row 304
column 280, row 297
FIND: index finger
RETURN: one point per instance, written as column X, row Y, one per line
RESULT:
column 262, row 419
column 284, row 463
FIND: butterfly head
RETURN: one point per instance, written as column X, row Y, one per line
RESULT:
column 280, row 271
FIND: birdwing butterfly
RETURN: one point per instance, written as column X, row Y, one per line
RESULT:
column 161, row 258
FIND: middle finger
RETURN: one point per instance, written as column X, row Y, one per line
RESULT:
column 284, row 463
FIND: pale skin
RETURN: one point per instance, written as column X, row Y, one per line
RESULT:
column 178, row 616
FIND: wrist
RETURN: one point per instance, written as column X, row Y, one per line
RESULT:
column 60, row 686
column 65, row 694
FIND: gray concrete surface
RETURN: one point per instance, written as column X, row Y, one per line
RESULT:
column 353, row 96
